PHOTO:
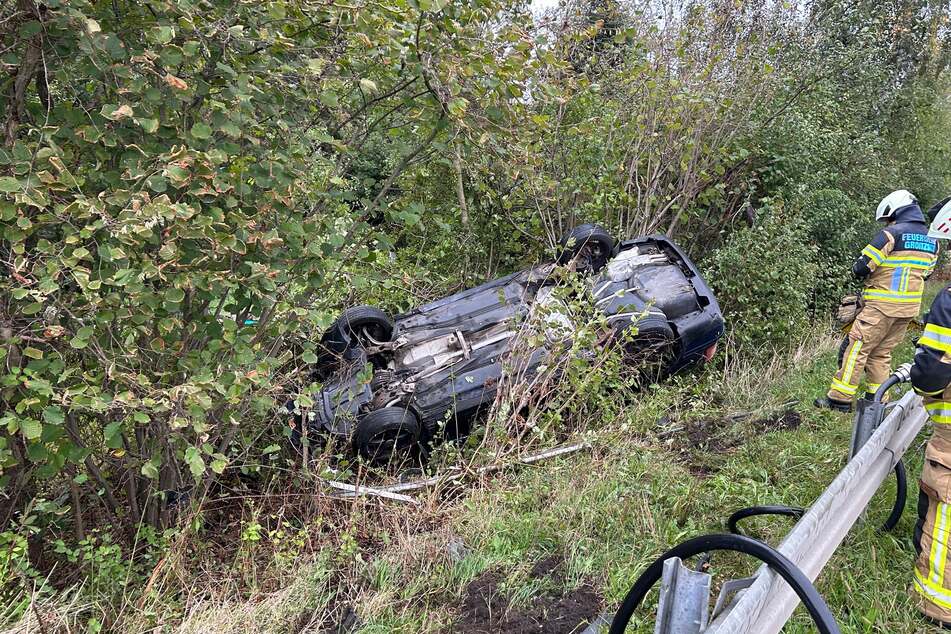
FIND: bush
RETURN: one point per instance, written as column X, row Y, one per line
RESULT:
column 764, row 276
column 838, row 228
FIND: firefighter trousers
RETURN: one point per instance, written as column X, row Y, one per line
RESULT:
column 932, row 582
column 872, row 338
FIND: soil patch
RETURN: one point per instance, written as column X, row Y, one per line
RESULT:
column 553, row 566
column 790, row 419
column 700, row 440
column 485, row 608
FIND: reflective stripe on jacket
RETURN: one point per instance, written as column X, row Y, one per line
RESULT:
column 896, row 262
column 931, row 372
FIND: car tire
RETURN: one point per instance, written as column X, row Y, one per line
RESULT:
column 386, row 434
column 591, row 244
column 355, row 327
column 651, row 351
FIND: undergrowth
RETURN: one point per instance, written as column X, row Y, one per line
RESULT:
column 662, row 467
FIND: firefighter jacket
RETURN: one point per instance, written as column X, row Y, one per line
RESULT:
column 896, row 262
column 931, row 372
column 931, row 378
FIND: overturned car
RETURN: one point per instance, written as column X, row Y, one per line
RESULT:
column 445, row 360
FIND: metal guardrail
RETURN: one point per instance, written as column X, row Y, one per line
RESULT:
column 768, row 602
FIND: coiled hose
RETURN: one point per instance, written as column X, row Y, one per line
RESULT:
column 752, row 511
column 803, row 588
column 901, row 499
column 901, row 374
column 901, row 493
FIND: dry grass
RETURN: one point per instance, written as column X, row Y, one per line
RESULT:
column 743, row 378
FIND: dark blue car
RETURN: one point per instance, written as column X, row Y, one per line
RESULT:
column 444, row 361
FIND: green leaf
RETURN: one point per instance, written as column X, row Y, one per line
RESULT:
column 174, row 295
column 271, row 449
column 149, row 125
column 37, row 452
column 53, row 415
column 31, row 428
column 168, row 251
column 163, row 34
column 150, row 469
column 231, row 129
column 195, row 462
column 29, row 29
column 113, row 435
column 33, row 353
column 157, row 183
column 115, row 112
column 458, row 106
column 218, row 465
column 8, row 184
column 178, row 175
column 201, row 130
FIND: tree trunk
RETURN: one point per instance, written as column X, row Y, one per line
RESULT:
column 460, row 188
column 32, row 62
column 78, row 524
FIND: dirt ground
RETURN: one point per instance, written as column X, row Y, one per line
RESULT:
column 485, row 608
column 701, row 441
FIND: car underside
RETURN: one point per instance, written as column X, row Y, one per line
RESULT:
column 445, row 361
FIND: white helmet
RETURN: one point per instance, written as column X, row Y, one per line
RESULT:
column 895, row 200
column 941, row 225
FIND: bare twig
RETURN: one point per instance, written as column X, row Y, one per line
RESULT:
column 356, row 491
column 351, row 491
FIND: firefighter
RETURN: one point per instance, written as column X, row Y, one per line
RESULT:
column 931, row 377
column 894, row 266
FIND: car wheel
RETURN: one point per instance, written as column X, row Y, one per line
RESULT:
column 651, row 351
column 386, row 434
column 361, row 326
column 589, row 245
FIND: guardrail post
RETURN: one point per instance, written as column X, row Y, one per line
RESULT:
column 684, row 600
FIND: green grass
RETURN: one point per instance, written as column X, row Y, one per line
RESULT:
column 609, row 512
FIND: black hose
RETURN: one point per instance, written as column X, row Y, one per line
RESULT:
column 804, row 589
column 752, row 511
column 901, row 497
column 889, row 383
column 901, row 493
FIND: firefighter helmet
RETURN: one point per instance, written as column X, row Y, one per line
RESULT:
column 941, row 223
column 895, row 200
